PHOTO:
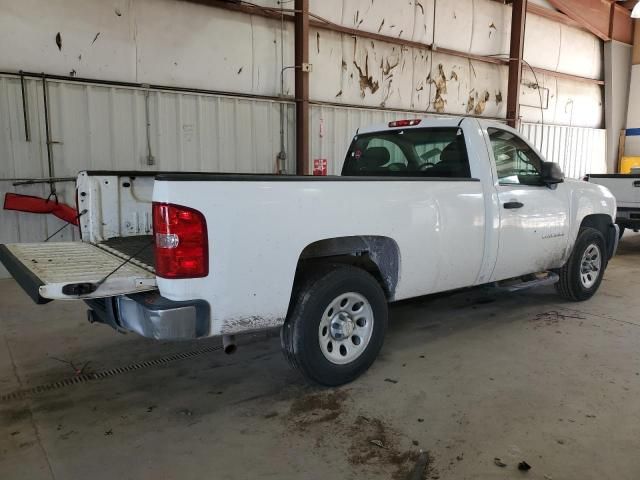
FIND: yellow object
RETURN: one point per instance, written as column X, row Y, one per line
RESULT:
column 627, row 163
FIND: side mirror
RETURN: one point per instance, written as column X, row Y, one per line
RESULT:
column 551, row 173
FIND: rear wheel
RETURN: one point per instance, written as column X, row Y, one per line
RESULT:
column 336, row 325
column 581, row 276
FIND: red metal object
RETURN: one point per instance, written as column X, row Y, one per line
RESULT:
column 404, row 123
column 320, row 166
column 181, row 243
column 32, row 204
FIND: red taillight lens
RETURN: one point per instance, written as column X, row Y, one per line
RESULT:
column 181, row 242
column 405, row 123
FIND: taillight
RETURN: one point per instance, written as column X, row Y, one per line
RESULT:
column 405, row 123
column 181, row 242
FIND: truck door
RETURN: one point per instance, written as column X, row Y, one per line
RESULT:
column 534, row 219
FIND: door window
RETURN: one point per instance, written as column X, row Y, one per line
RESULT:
column 516, row 162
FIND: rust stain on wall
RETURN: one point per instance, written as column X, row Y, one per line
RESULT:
column 481, row 103
column 471, row 103
column 387, row 67
column 440, row 83
column 366, row 80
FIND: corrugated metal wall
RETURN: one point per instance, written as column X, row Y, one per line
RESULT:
column 577, row 150
column 101, row 127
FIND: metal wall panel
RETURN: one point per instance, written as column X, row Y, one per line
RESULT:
column 186, row 44
column 332, row 129
column 578, row 150
column 101, row 127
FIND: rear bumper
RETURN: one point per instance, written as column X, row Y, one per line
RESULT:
column 153, row 316
column 628, row 217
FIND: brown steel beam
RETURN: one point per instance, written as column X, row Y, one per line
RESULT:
column 554, row 15
column 604, row 18
column 301, row 55
column 518, row 19
column 566, row 76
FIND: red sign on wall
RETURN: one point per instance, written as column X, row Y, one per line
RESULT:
column 320, row 166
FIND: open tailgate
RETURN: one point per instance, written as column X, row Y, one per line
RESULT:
column 43, row 270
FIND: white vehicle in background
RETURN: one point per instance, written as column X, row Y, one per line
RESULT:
column 626, row 188
column 422, row 206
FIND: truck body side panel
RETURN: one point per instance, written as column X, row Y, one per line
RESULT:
column 257, row 231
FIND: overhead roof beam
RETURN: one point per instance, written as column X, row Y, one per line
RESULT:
column 604, row 18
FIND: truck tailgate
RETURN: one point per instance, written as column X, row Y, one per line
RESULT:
column 625, row 187
column 44, row 269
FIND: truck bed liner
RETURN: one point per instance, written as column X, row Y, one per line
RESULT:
column 139, row 247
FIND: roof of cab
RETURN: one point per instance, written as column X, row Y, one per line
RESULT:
column 439, row 121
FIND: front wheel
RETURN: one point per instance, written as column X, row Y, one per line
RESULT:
column 581, row 276
column 336, row 325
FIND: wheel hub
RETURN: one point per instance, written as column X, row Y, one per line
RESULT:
column 590, row 266
column 342, row 326
column 345, row 329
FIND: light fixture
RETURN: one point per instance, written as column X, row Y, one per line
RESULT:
column 635, row 13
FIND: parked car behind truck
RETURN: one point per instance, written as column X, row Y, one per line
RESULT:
column 422, row 206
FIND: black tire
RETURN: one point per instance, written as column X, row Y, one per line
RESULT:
column 622, row 229
column 571, row 285
column 300, row 334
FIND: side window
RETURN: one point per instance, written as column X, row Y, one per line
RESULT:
column 417, row 152
column 516, row 162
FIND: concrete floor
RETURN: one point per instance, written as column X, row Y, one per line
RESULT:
column 467, row 378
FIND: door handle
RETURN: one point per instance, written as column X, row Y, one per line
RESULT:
column 513, row 205
column 636, row 183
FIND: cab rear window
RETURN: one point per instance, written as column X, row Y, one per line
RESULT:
column 414, row 152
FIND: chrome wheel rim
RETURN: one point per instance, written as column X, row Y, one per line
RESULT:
column 345, row 328
column 590, row 266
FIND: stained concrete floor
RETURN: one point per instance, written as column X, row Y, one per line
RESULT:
column 466, row 377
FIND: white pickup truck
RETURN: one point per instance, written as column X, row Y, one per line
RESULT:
column 626, row 188
column 422, row 206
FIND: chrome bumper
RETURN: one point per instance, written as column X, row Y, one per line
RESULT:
column 153, row 316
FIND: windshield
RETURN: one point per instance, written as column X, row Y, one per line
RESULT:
column 425, row 152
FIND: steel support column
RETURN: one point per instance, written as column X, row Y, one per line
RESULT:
column 302, row 85
column 518, row 18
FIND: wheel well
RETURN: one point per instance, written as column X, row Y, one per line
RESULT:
column 599, row 221
column 602, row 223
column 380, row 256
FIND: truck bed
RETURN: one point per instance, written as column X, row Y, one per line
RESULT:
column 138, row 247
